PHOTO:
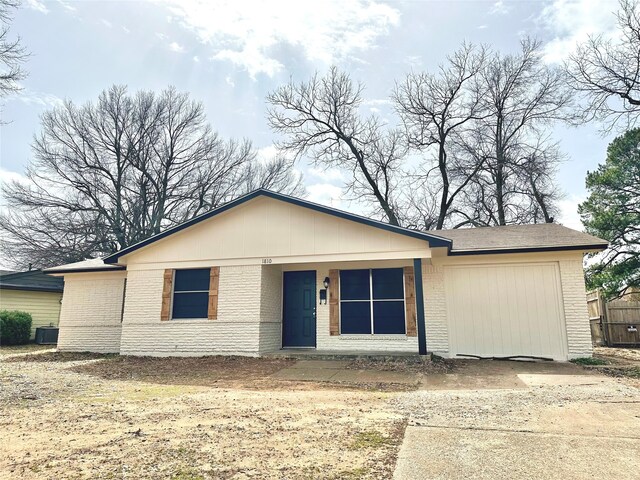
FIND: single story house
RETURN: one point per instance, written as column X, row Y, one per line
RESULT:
column 268, row 271
column 34, row 292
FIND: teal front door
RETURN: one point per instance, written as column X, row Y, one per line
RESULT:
column 299, row 309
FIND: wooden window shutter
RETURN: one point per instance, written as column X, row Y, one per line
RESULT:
column 334, row 302
column 410, row 301
column 167, row 291
column 214, row 282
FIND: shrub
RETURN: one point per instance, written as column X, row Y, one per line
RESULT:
column 15, row 327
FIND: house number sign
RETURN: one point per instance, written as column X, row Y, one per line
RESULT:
column 267, row 260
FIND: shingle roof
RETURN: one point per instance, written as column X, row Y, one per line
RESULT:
column 91, row 265
column 34, row 280
column 537, row 237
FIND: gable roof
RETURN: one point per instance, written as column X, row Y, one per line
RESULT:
column 434, row 239
column 520, row 238
column 33, row 280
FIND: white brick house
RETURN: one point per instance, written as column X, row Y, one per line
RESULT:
column 267, row 272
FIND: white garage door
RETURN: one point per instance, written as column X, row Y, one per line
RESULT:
column 505, row 310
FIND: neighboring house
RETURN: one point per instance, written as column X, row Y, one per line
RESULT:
column 268, row 271
column 33, row 292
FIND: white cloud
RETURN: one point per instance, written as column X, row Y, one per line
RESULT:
column 569, row 216
column 40, row 99
column 196, row 58
column 572, row 21
column 67, row 6
column 326, row 194
column 37, row 5
column 176, row 47
column 246, row 33
column 106, row 23
column 499, row 8
column 327, row 174
column 7, row 176
column 265, row 154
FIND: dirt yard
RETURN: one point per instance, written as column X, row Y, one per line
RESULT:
column 84, row 416
column 79, row 416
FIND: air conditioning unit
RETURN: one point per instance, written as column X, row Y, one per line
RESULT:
column 46, row 335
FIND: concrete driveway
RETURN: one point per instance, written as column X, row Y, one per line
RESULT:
column 511, row 420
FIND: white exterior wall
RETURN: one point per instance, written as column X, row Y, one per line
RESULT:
column 575, row 308
column 435, row 309
column 91, row 312
column 572, row 293
column 270, row 309
column 277, row 230
column 236, row 331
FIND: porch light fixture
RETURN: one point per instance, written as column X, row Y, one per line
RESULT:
column 326, row 282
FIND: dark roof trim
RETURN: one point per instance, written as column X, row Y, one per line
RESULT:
column 117, row 268
column 8, row 286
column 434, row 240
column 600, row 246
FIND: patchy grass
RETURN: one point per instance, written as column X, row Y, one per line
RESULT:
column 27, row 348
column 61, row 357
column 627, row 372
column 589, row 361
column 370, row 439
column 188, row 474
column 167, row 427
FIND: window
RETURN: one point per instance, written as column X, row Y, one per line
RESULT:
column 372, row 301
column 191, row 293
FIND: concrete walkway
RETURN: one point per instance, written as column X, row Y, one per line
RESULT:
column 559, row 422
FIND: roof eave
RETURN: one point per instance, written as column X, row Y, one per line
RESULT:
column 117, row 268
column 488, row 251
column 30, row 288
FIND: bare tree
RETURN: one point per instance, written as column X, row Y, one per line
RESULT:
column 274, row 174
column 607, row 72
column 12, row 53
column 437, row 110
column 523, row 97
column 110, row 174
column 321, row 118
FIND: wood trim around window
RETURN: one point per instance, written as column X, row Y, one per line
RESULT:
column 334, row 302
column 214, row 283
column 410, row 301
column 167, row 292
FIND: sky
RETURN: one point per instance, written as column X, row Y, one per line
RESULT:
column 230, row 54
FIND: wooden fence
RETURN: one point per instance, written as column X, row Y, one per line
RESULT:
column 614, row 323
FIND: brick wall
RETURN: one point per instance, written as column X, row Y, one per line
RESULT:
column 91, row 312
column 575, row 308
column 435, row 309
column 270, row 309
column 237, row 330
